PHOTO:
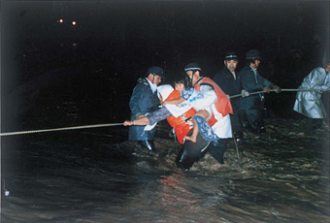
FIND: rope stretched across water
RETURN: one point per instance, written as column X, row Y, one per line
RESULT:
column 117, row 124
column 272, row 90
column 59, row 129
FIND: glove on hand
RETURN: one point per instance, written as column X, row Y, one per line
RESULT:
column 277, row 88
column 266, row 90
column 245, row 93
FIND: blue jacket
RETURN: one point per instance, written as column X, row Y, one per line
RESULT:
column 142, row 101
column 251, row 83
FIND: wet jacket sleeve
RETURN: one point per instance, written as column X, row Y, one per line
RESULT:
column 250, row 83
column 264, row 82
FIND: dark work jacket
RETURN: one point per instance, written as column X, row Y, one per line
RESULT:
column 142, row 101
column 229, row 84
column 252, row 83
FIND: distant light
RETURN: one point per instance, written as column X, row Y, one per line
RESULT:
column 60, row 20
column 74, row 23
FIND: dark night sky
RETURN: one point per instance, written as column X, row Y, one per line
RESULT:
column 128, row 36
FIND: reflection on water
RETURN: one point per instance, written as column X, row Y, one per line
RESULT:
column 81, row 177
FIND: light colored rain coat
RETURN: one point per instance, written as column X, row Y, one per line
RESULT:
column 309, row 103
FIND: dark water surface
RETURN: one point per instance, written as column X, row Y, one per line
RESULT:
column 82, row 176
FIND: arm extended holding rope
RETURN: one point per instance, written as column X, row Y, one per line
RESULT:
column 140, row 121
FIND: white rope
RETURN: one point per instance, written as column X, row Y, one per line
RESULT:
column 271, row 90
column 59, row 129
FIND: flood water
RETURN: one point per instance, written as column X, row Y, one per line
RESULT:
column 95, row 175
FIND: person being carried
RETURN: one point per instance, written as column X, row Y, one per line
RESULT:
column 201, row 117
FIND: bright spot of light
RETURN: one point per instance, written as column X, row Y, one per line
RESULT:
column 60, row 20
column 74, row 23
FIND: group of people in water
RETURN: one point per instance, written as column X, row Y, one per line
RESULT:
column 201, row 111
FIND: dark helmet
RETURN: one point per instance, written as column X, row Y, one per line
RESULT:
column 253, row 55
column 193, row 67
column 156, row 71
column 231, row 56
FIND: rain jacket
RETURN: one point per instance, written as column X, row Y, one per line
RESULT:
column 252, row 107
column 228, row 83
column 252, row 82
column 142, row 101
column 309, row 103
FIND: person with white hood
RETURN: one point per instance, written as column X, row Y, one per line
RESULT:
column 308, row 100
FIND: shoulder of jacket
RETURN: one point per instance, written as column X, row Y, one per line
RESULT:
column 143, row 81
column 247, row 68
column 244, row 70
column 221, row 72
column 319, row 69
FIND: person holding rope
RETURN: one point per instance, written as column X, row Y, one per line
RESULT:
column 230, row 83
column 252, row 107
column 143, row 100
column 309, row 103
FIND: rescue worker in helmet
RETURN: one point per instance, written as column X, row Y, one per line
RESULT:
column 229, row 81
column 252, row 106
column 143, row 100
column 214, row 97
